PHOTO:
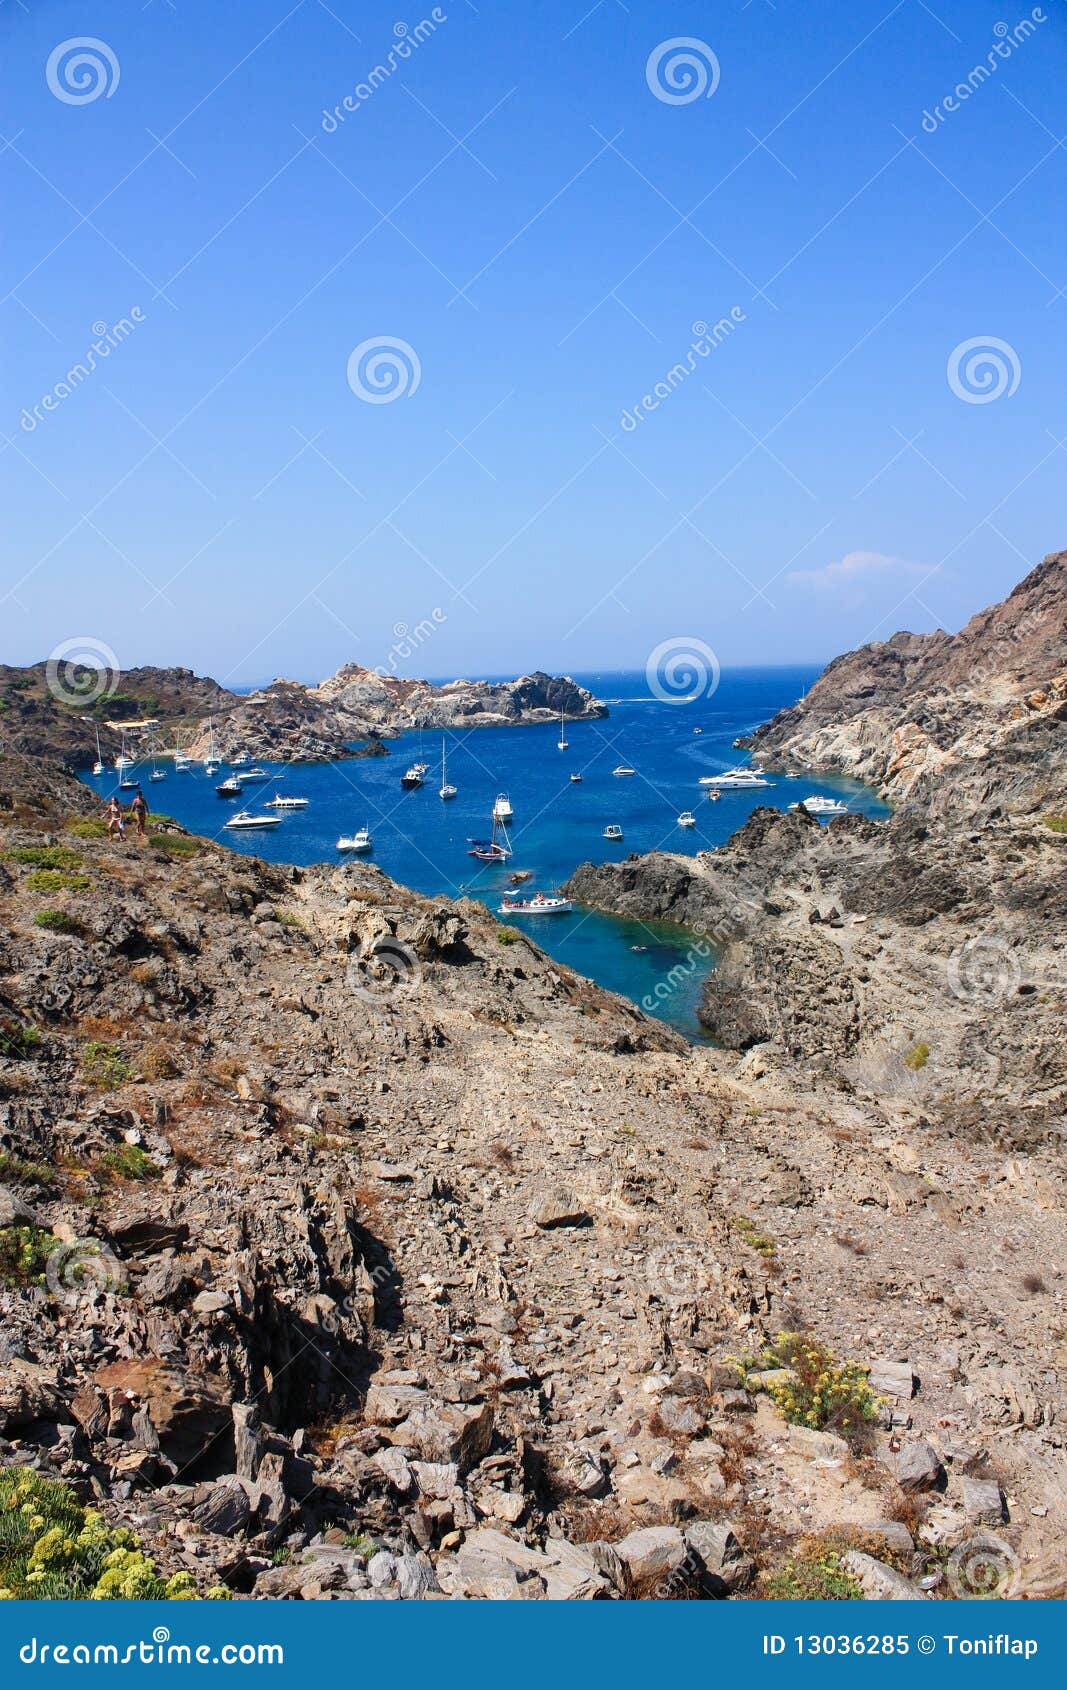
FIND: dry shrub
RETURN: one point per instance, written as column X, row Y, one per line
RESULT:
column 156, row 1062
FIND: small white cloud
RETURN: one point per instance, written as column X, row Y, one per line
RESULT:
column 856, row 567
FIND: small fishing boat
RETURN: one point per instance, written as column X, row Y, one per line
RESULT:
column 576, row 778
column 230, row 788
column 698, row 730
column 492, row 850
column 358, row 841
column 446, row 789
column 280, row 803
column 817, row 806
column 741, row 778
column 502, row 810
column 687, row 819
column 539, row 904
column 413, row 777
column 613, row 831
column 244, row 820
column 562, row 742
column 624, row 769
column 98, row 766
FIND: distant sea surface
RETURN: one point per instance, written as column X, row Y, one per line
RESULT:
column 422, row 841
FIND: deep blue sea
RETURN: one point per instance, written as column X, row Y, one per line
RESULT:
column 422, row 841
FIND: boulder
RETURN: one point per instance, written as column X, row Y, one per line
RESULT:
column 680, row 1419
column 983, row 1502
column 227, row 1508
column 726, row 1566
column 652, row 1553
column 558, row 1207
column 892, row 1379
column 387, row 1404
column 28, row 1393
column 392, row 1465
column 917, row 1465
column 448, row 1432
column 819, row 1446
column 185, row 1408
column 879, row 1582
column 15, row 1212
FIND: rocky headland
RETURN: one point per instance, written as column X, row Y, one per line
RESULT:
column 57, row 714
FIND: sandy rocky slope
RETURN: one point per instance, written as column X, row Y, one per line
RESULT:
column 387, row 1258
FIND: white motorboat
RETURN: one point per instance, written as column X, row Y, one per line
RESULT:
column 687, row 819
column 740, row 778
column 624, row 769
column 358, row 841
column 230, row 788
column 239, row 762
column 256, row 773
column 502, row 810
column 576, row 778
column 280, row 803
column 244, row 820
column 413, row 777
column 539, row 904
column 446, row 789
column 613, row 831
column 817, row 806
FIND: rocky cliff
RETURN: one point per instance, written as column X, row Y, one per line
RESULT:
column 962, row 721
column 350, row 1247
column 57, row 711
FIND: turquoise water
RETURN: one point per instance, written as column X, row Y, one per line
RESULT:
column 422, row 841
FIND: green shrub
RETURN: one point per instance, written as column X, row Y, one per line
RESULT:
column 53, row 1548
column 46, row 856
column 175, row 844
column 918, row 1056
column 750, row 1234
column 1058, row 824
column 103, row 1066
column 812, row 1574
column 58, row 921
column 14, row 1171
column 55, row 880
column 24, row 1252
column 820, row 1392
column 507, row 935
column 129, row 1161
column 17, row 1041
column 88, row 827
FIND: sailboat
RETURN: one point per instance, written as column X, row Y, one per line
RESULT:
column 123, row 761
column 491, row 850
column 211, row 761
column 446, row 789
column 157, row 773
column 181, row 761
column 98, row 766
column 562, row 742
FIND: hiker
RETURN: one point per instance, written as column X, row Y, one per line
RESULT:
column 139, row 812
column 116, row 821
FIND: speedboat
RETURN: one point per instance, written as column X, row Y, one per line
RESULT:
column 256, row 773
column 358, row 841
column 230, row 788
column 817, row 806
column 687, row 819
column 624, row 769
column 280, row 803
column 413, row 777
column 613, row 831
column 576, row 778
column 244, row 820
column 502, row 810
column 741, row 778
column 239, row 762
column 539, row 904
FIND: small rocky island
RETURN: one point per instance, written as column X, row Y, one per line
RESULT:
column 350, row 714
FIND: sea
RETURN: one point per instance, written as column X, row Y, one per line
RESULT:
column 423, row 841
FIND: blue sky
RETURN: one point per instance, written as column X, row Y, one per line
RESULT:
column 515, row 202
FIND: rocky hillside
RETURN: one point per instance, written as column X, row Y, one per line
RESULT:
column 967, row 720
column 352, row 1248
column 58, row 714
